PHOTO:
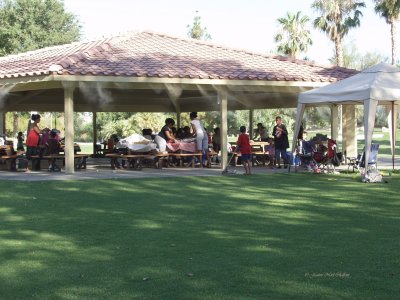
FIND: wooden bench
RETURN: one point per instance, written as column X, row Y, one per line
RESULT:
column 210, row 155
column 79, row 159
column 135, row 161
column 10, row 161
column 180, row 156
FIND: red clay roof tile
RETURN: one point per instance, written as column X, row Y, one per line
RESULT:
column 146, row 54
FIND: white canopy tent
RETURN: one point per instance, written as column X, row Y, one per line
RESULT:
column 378, row 85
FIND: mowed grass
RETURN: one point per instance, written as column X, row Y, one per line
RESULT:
column 280, row 236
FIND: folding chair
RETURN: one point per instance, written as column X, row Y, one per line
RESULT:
column 359, row 162
column 373, row 157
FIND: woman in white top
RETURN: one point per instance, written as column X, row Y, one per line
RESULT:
column 200, row 133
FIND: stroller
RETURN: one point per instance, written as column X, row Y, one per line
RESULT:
column 306, row 150
column 318, row 157
column 333, row 158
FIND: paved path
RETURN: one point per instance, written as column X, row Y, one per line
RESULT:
column 99, row 169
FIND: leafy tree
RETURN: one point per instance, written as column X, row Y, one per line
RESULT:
column 197, row 31
column 337, row 18
column 353, row 59
column 390, row 10
column 32, row 24
column 294, row 37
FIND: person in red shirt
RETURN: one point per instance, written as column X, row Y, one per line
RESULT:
column 243, row 143
column 32, row 141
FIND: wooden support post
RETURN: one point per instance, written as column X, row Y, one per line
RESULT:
column 69, row 128
column 349, row 130
column 94, row 122
column 334, row 121
column 223, row 101
column 251, row 121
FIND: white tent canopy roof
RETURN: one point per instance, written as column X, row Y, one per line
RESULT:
column 380, row 82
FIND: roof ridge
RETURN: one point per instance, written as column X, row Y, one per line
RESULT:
column 80, row 55
column 234, row 49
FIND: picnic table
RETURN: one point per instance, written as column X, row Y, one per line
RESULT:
column 181, row 149
column 258, row 151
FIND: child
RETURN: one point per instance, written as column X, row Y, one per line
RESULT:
column 53, row 148
column 216, row 142
column 20, row 142
column 271, row 152
column 21, row 161
column 245, row 149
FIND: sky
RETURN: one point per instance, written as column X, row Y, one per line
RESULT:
column 241, row 24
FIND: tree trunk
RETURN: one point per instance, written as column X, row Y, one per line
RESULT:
column 339, row 52
column 339, row 63
column 393, row 31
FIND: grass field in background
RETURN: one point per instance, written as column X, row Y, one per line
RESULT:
column 277, row 236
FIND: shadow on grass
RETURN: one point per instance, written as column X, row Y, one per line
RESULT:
column 272, row 236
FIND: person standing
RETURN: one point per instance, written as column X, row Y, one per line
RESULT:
column 20, row 141
column 32, row 141
column 281, row 141
column 200, row 133
column 260, row 133
column 243, row 143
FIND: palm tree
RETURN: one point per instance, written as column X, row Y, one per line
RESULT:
column 338, row 17
column 197, row 31
column 294, row 36
column 390, row 10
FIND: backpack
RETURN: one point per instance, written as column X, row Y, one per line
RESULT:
column 372, row 175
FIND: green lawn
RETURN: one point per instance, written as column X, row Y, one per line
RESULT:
column 280, row 236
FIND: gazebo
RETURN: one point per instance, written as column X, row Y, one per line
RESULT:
column 152, row 72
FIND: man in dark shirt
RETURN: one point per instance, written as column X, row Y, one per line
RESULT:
column 166, row 131
column 281, row 141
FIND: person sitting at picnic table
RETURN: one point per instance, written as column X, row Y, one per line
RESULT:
column 148, row 134
column 216, row 142
column 111, row 145
column 260, row 133
column 166, row 131
column 20, row 143
column 52, row 147
column 186, row 132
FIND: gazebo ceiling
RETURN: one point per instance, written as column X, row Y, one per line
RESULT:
column 154, row 72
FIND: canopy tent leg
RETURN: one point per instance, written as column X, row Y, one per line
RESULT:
column 392, row 121
column 334, row 121
column 369, row 123
column 299, row 118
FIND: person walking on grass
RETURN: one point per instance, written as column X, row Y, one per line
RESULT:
column 243, row 143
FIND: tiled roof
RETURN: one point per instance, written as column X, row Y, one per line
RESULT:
column 146, row 54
